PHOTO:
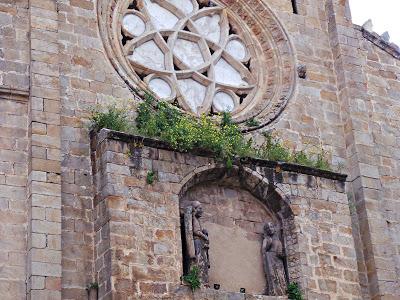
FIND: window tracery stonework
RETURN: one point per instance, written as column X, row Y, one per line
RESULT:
column 224, row 56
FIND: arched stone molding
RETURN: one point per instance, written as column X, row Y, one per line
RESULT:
column 249, row 179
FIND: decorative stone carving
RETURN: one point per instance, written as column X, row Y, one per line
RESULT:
column 190, row 46
column 302, row 71
column 203, row 56
column 197, row 241
column 273, row 258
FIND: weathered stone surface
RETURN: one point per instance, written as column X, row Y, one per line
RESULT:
column 137, row 239
column 51, row 53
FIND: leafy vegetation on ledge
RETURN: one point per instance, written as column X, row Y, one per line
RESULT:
column 159, row 119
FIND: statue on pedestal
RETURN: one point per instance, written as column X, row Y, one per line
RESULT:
column 273, row 259
column 197, row 242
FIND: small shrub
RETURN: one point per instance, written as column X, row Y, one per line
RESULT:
column 226, row 119
column 302, row 158
column 150, row 177
column 92, row 285
column 159, row 119
column 112, row 118
column 252, row 122
column 193, row 278
column 321, row 162
column 294, row 291
column 274, row 150
column 184, row 132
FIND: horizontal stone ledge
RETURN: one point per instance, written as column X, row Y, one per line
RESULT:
column 104, row 134
column 220, row 295
column 10, row 93
column 183, row 291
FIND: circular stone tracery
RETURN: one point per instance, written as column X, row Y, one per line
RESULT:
column 203, row 58
column 190, row 47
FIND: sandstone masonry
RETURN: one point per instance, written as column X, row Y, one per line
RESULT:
column 76, row 211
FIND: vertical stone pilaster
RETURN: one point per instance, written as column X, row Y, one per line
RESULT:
column 14, row 94
column 44, row 237
column 365, row 190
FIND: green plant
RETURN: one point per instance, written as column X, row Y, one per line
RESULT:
column 273, row 149
column 92, row 285
column 111, row 117
column 150, row 177
column 252, row 122
column 184, row 132
column 193, row 278
column 302, row 158
column 294, row 291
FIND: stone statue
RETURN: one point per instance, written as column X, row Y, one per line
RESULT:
column 197, row 242
column 273, row 259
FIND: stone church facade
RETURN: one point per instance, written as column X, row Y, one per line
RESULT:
column 80, row 221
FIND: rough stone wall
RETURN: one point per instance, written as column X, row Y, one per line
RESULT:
column 14, row 45
column 382, row 81
column 86, row 78
column 351, row 91
column 44, row 197
column 13, row 206
column 313, row 117
column 365, row 100
column 137, row 224
column 14, row 86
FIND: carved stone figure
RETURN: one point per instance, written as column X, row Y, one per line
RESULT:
column 197, row 241
column 273, row 259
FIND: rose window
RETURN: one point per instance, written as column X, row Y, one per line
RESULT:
column 189, row 54
column 203, row 56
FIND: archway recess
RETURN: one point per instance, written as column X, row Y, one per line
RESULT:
column 236, row 205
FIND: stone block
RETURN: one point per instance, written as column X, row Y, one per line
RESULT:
column 39, row 226
column 37, row 282
column 46, row 255
column 46, row 200
column 46, row 269
column 38, row 240
column 38, row 213
column 45, row 188
column 54, row 242
column 53, row 215
column 46, row 166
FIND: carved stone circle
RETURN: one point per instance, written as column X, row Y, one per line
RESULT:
column 203, row 58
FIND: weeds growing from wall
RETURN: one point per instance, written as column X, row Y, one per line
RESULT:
column 111, row 117
column 294, row 292
column 184, row 132
column 193, row 278
column 150, row 177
